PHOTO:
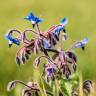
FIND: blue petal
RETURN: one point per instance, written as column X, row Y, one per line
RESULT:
column 81, row 43
column 37, row 19
column 64, row 21
column 9, row 37
column 85, row 40
column 30, row 17
column 49, row 71
column 33, row 18
column 16, row 41
column 57, row 31
column 46, row 44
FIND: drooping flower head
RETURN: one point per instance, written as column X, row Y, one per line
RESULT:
column 81, row 44
column 52, row 34
column 11, row 39
column 49, row 72
column 61, row 28
column 63, row 23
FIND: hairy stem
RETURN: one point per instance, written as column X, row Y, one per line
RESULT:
column 13, row 30
column 52, row 50
column 37, row 26
column 72, row 46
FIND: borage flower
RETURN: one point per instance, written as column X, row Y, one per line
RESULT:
column 33, row 19
column 81, row 44
column 62, row 60
column 63, row 23
column 58, row 65
column 23, row 55
column 50, row 68
column 29, row 89
column 34, row 45
column 12, row 40
column 29, row 46
column 52, row 34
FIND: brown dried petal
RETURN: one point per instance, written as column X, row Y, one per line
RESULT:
column 35, row 50
column 26, row 56
column 54, row 56
column 18, row 60
column 66, row 71
column 72, row 56
column 57, row 37
column 74, row 67
column 23, row 59
column 36, row 62
column 28, row 51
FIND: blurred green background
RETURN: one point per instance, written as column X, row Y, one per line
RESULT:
column 82, row 23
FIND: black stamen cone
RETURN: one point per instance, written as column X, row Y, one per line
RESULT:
column 10, row 45
column 64, row 30
column 33, row 25
column 83, row 48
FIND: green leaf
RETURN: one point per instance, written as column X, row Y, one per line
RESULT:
column 63, row 88
column 68, row 87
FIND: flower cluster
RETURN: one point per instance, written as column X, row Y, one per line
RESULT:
column 59, row 66
column 42, row 41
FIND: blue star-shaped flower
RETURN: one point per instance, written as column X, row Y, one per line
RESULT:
column 33, row 19
column 12, row 40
